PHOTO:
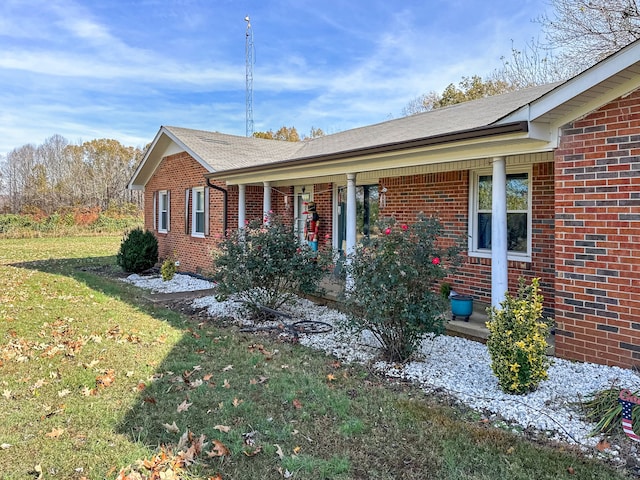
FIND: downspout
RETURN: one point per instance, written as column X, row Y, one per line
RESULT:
column 225, row 195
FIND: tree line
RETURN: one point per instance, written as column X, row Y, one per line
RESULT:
column 56, row 175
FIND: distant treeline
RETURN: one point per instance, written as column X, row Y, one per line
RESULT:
column 57, row 177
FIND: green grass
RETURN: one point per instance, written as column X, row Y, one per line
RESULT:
column 91, row 373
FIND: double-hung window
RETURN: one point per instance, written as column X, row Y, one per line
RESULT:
column 518, row 214
column 198, row 223
column 163, row 211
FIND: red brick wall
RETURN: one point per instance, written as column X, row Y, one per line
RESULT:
column 175, row 174
column 180, row 171
column 446, row 195
column 597, row 236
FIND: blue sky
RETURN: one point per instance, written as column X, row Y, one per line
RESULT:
column 122, row 68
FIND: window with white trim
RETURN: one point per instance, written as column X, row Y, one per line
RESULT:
column 163, row 211
column 198, row 215
column 518, row 214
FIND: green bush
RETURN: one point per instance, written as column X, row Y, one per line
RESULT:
column 168, row 269
column 138, row 251
column 517, row 340
column 394, row 284
column 266, row 265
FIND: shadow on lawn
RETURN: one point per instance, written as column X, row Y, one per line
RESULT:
column 211, row 379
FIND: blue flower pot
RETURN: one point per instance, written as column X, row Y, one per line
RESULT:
column 461, row 306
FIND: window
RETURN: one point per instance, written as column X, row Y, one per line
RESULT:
column 518, row 214
column 163, row 211
column 198, row 221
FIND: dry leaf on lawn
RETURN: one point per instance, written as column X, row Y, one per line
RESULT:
column 55, row 433
column 297, row 404
column 603, row 445
column 184, row 406
column 253, row 453
column 237, row 402
column 173, row 428
column 222, row 428
column 279, row 451
column 219, row 449
column 227, row 368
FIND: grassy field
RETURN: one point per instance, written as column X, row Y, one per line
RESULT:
column 96, row 382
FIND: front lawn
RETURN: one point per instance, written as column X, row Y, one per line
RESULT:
column 95, row 378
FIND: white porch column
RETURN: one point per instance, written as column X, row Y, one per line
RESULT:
column 499, row 265
column 266, row 202
column 351, row 214
column 242, row 205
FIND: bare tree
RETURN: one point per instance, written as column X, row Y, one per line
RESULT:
column 586, row 31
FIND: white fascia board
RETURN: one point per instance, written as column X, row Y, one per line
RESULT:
column 514, row 144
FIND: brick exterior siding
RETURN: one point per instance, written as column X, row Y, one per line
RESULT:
column 447, row 196
column 597, row 168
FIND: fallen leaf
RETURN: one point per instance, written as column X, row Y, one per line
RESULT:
column 216, row 477
column 107, row 379
column 219, row 449
column 55, row 433
column 7, row 394
column 297, row 404
column 150, row 400
column 222, row 428
column 571, row 471
column 5, row 446
column 207, row 377
column 87, row 392
column 253, row 381
column 296, row 450
column 226, row 384
column 227, row 368
column 184, row 406
column 603, row 445
column 38, row 470
column 173, row 428
column 331, row 377
column 510, row 450
column 253, row 453
column 237, row 402
column 64, row 393
column 336, row 364
column 279, row 451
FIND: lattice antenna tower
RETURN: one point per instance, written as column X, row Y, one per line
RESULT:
column 249, row 76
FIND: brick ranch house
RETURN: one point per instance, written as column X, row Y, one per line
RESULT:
column 544, row 182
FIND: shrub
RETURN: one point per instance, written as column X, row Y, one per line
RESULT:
column 138, row 251
column 168, row 269
column 517, row 340
column 266, row 265
column 394, row 284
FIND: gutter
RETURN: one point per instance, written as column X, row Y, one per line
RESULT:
column 474, row 133
column 225, row 202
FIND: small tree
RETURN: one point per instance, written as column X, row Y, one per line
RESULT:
column 394, row 291
column 138, row 251
column 517, row 340
column 264, row 264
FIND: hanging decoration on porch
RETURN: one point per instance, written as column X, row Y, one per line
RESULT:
column 628, row 400
column 382, row 199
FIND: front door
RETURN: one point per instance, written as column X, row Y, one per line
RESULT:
column 303, row 195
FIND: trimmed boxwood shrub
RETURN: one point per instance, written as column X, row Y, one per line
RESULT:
column 138, row 251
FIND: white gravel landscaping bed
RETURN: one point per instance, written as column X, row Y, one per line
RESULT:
column 454, row 365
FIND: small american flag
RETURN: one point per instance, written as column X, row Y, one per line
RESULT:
column 627, row 401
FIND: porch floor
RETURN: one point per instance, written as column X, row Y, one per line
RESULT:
column 475, row 329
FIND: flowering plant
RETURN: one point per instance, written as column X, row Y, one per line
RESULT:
column 394, row 284
column 265, row 265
